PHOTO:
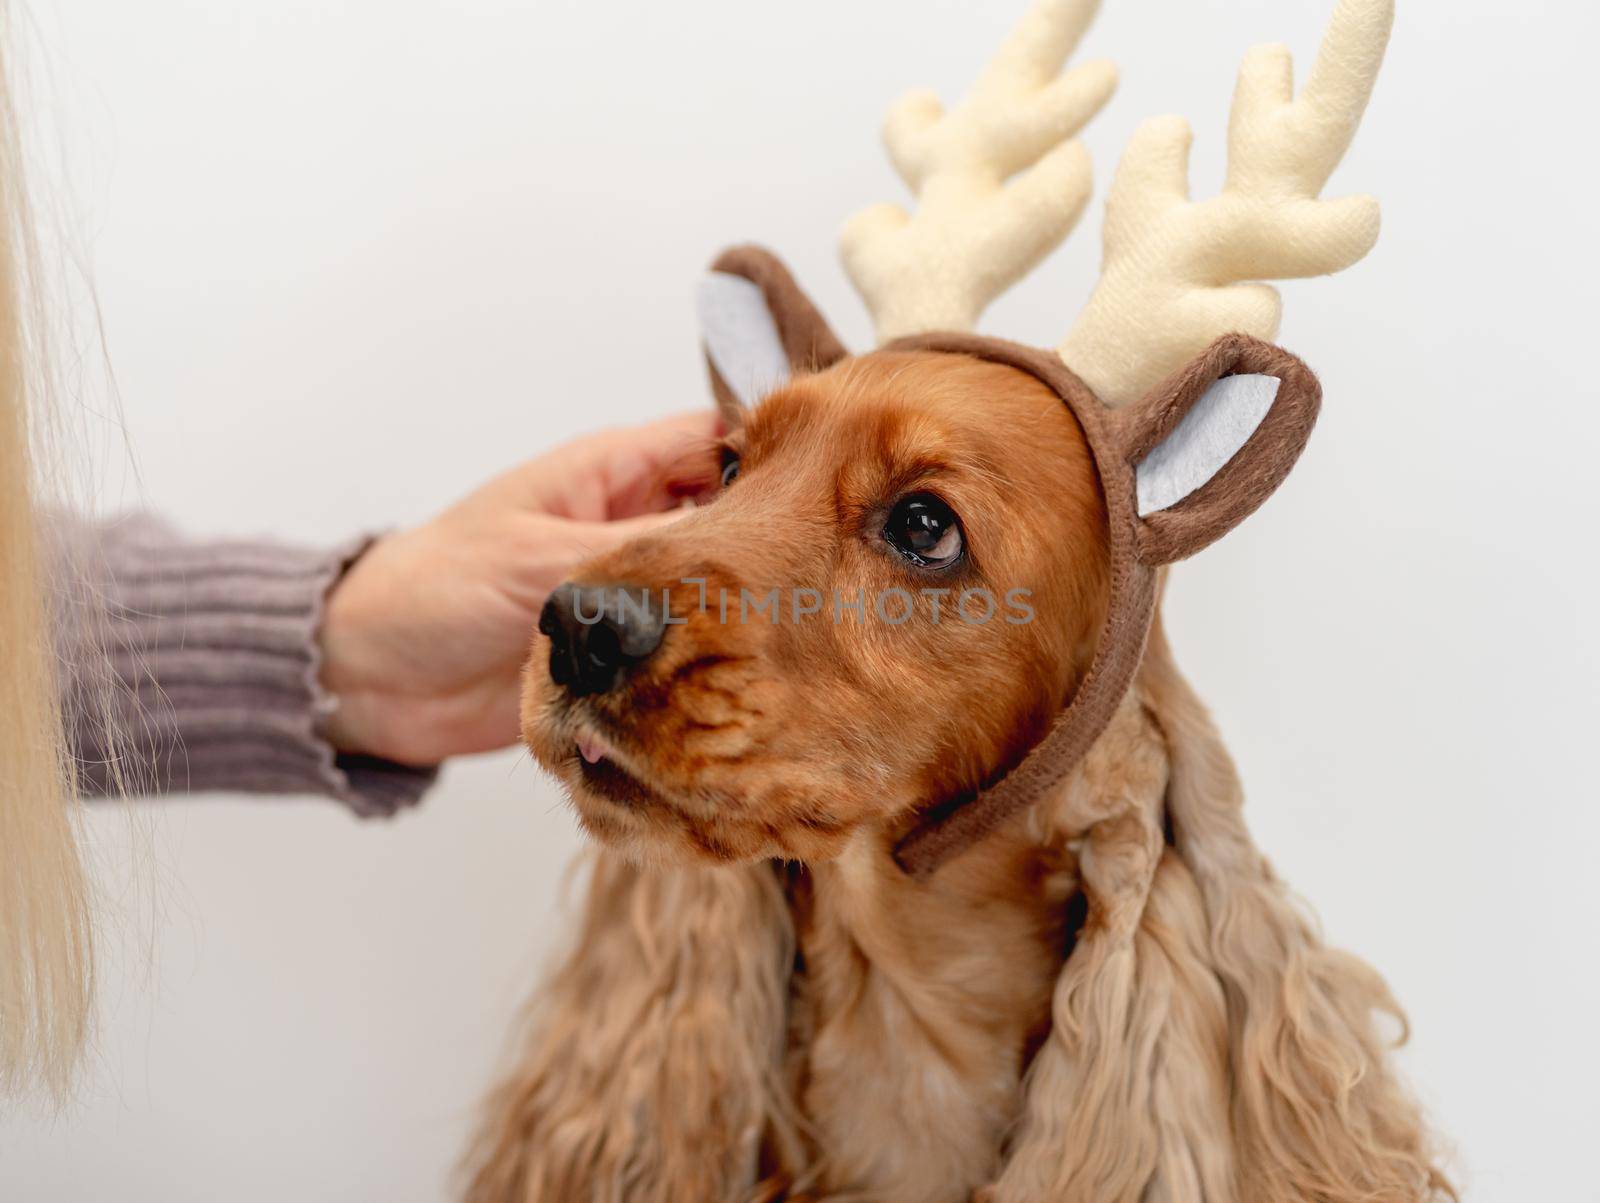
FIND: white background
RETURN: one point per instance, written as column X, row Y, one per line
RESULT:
column 355, row 257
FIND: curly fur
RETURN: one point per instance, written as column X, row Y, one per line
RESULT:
column 1318, row 1113
column 652, row 1071
column 1206, row 1044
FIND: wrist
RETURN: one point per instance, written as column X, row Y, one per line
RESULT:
column 344, row 672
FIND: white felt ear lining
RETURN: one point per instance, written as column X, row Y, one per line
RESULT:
column 1214, row 430
column 740, row 336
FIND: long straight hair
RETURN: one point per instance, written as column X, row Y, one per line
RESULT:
column 46, row 953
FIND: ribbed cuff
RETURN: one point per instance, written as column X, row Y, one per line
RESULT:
column 214, row 648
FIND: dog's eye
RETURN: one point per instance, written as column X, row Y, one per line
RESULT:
column 730, row 468
column 924, row 530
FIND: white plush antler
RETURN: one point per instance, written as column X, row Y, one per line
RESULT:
column 974, row 235
column 1174, row 270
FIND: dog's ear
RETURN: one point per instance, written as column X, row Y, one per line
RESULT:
column 675, row 989
column 758, row 329
column 1318, row 1109
column 1213, row 441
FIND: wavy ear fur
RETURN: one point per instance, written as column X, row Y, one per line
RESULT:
column 1206, row 1046
column 1317, row 1110
column 650, row 1070
column 1127, row 1100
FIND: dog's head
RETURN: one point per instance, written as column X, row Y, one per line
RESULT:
column 888, row 600
column 905, row 573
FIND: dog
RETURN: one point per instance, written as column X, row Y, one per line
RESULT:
column 805, row 971
column 1111, row 990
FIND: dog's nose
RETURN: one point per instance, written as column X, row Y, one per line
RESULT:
column 597, row 632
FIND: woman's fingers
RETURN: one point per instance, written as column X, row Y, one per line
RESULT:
column 592, row 538
column 619, row 473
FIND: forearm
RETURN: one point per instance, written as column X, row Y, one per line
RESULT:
column 194, row 665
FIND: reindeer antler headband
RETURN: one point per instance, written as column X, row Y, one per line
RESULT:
column 1192, row 419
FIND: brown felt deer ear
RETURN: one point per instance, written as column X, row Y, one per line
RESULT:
column 1213, row 441
column 758, row 329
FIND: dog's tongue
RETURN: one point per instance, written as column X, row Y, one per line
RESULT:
column 590, row 749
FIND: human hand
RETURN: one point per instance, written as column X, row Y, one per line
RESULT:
column 424, row 638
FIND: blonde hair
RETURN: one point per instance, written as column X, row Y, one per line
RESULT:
column 46, row 950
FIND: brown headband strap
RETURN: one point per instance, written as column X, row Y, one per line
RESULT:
column 954, row 826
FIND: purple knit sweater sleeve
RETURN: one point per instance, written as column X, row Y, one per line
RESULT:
column 193, row 665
